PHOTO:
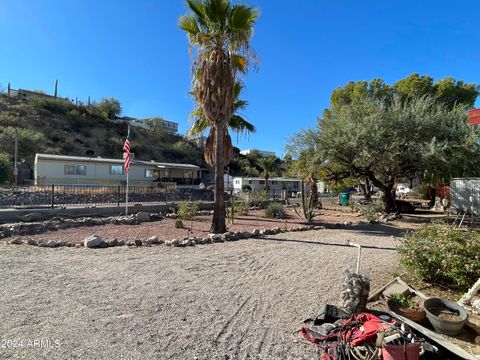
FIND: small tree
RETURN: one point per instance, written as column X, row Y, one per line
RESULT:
column 107, row 108
column 268, row 166
column 5, row 168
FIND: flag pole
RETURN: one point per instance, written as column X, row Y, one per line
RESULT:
column 126, row 197
column 127, row 169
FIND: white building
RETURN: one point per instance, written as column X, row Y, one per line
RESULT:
column 262, row 153
column 278, row 186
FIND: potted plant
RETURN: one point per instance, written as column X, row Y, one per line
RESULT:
column 407, row 306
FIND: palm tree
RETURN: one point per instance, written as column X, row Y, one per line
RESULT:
column 268, row 166
column 237, row 123
column 220, row 33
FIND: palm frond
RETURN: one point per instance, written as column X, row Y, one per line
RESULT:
column 240, row 125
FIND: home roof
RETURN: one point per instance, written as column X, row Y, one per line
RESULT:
column 161, row 165
column 270, row 179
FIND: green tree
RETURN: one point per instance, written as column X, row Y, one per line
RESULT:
column 107, row 108
column 385, row 141
column 5, row 168
column 308, row 163
column 220, row 34
column 268, row 166
column 29, row 142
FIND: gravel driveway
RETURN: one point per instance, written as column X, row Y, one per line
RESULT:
column 232, row 300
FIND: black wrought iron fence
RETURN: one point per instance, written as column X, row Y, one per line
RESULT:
column 83, row 195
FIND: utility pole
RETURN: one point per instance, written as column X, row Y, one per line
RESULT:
column 15, row 169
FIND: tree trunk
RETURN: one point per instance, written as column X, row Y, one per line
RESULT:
column 388, row 199
column 314, row 193
column 367, row 193
column 218, row 221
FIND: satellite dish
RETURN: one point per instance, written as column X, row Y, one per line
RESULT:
column 90, row 153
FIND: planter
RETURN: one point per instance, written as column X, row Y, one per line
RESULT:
column 436, row 307
column 416, row 315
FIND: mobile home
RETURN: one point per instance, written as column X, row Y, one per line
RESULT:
column 62, row 170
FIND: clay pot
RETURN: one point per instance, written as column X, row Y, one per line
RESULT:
column 416, row 315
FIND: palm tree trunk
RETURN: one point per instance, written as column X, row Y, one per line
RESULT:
column 218, row 221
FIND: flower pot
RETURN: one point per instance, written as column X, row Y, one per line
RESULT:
column 416, row 315
column 434, row 306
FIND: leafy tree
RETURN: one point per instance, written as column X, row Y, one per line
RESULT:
column 220, row 33
column 387, row 140
column 448, row 92
column 29, row 141
column 303, row 146
column 267, row 166
column 5, row 168
column 107, row 108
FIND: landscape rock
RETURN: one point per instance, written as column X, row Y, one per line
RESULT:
column 168, row 242
column 35, row 216
column 31, row 242
column 138, row 242
column 113, row 242
column 175, row 243
column 93, row 241
column 255, row 233
column 142, row 216
column 16, row 241
column 52, row 243
column 42, row 243
column 77, row 245
column 121, row 243
column 246, row 235
column 153, row 240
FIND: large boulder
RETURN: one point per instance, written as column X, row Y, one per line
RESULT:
column 93, row 241
column 142, row 216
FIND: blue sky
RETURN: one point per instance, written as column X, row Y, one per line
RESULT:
column 133, row 50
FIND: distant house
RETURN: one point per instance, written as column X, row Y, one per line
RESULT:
column 61, row 169
column 277, row 185
column 149, row 124
column 262, row 153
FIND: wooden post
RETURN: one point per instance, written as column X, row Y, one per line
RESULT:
column 52, row 199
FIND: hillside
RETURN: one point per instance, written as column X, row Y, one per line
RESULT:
column 57, row 127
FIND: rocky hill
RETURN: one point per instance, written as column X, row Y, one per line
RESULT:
column 58, row 127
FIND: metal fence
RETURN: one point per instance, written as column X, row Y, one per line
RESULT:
column 83, row 195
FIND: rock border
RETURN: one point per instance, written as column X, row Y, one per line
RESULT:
column 95, row 241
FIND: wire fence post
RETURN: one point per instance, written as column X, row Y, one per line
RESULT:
column 52, row 197
column 118, row 195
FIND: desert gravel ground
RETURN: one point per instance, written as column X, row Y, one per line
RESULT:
column 233, row 300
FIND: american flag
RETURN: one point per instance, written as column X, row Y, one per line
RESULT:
column 126, row 152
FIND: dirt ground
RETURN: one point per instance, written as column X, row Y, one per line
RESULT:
column 233, row 300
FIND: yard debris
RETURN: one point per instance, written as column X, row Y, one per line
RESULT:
column 355, row 290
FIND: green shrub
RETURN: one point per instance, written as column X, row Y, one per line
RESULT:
column 58, row 105
column 401, row 301
column 179, row 224
column 187, row 210
column 275, row 211
column 443, row 254
column 371, row 211
column 5, row 168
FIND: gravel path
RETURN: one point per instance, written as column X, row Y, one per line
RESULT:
column 232, row 300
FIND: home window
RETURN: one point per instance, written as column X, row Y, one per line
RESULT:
column 116, row 169
column 79, row 170
column 151, row 173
